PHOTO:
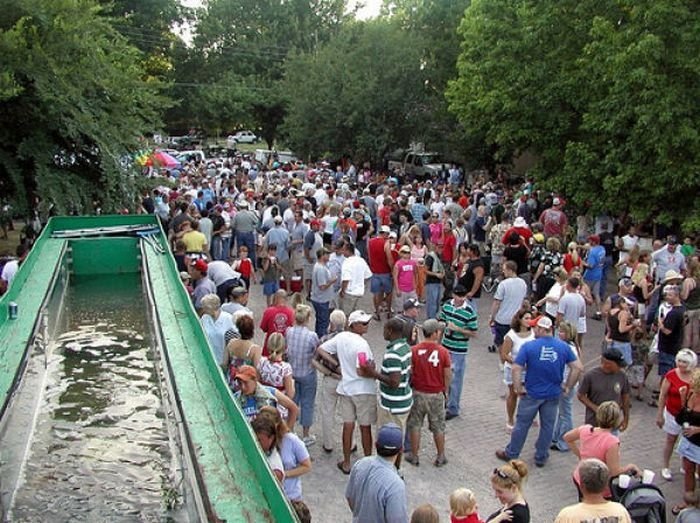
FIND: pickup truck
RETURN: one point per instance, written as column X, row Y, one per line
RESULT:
column 418, row 165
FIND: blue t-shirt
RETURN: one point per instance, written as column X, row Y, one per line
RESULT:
column 293, row 452
column 596, row 259
column 544, row 359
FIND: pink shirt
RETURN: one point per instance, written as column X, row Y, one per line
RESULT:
column 406, row 269
column 595, row 443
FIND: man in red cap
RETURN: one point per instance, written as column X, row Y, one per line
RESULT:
column 202, row 284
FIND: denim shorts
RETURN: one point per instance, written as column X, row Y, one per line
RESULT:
column 270, row 287
column 666, row 362
column 381, row 283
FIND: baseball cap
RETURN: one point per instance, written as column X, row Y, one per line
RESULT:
column 405, row 248
column 238, row 291
column 243, row 204
column 200, row 265
column 278, row 219
column 246, row 373
column 541, row 321
column 359, row 317
column 459, row 290
column 390, row 437
column 411, row 303
column 316, row 223
column 431, row 326
column 614, row 355
column 385, row 229
column 671, row 239
column 556, row 201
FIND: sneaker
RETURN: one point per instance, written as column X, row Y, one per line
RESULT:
column 666, row 474
column 450, row 415
column 440, row 461
column 309, row 440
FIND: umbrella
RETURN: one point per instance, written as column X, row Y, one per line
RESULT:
column 163, row 159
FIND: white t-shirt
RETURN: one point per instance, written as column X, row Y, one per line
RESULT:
column 628, row 243
column 510, row 292
column 220, row 272
column 346, row 345
column 550, row 307
column 9, row 271
column 355, row 271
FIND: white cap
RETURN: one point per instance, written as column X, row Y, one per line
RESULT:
column 359, row 317
column 385, row 228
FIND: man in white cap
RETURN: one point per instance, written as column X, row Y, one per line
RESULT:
column 380, row 263
column 358, row 398
column 544, row 359
column 554, row 221
column 375, row 491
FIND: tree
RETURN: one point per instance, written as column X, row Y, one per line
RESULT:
column 243, row 45
column 73, row 102
column 360, row 94
column 601, row 92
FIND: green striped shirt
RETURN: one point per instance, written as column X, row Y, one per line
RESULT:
column 465, row 318
column 397, row 359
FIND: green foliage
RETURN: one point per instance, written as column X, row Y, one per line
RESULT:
column 604, row 93
column 361, row 94
column 73, row 102
column 241, row 47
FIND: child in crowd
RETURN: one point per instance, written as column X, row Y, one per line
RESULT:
column 463, row 507
column 244, row 265
column 271, row 271
column 637, row 372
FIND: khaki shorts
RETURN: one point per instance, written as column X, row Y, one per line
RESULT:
column 298, row 260
column 432, row 405
column 361, row 408
column 384, row 417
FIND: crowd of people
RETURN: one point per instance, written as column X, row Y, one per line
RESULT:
column 316, row 240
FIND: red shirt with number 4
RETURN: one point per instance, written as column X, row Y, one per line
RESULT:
column 428, row 363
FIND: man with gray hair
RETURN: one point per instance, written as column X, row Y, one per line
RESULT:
column 593, row 506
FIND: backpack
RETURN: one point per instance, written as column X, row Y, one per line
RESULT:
column 644, row 502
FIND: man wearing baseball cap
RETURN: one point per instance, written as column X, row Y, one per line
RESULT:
column 408, row 317
column 201, row 282
column 462, row 324
column 607, row 382
column 554, row 220
column 544, row 359
column 375, row 491
column 358, row 397
column 380, row 263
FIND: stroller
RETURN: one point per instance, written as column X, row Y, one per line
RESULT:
column 644, row 502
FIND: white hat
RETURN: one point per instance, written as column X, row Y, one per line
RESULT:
column 358, row 317
column 243, row 204
column 556, row 201
column 385, row 228
column 520, row 222
column 277, row 219
column 672, row 275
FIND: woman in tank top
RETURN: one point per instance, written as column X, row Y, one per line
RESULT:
column 519, row 333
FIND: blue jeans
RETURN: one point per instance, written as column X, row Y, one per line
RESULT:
column 225, row 249
column 305, row 397
column 247, row 239
column 216, row 247
column 473, row 303
column 565, row 420
column 433, row 295
column 459, row 366
column 625, row 347
column 607, row 264
column 323, row 313
column 528, row 407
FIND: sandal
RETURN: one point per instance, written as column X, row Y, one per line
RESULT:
column 677, row 509
column 342, row 469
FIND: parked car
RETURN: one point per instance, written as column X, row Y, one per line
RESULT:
column 187, row 156
column 241, row 137
column 419, row 165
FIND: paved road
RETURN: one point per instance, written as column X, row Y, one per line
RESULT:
column 473, row 437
